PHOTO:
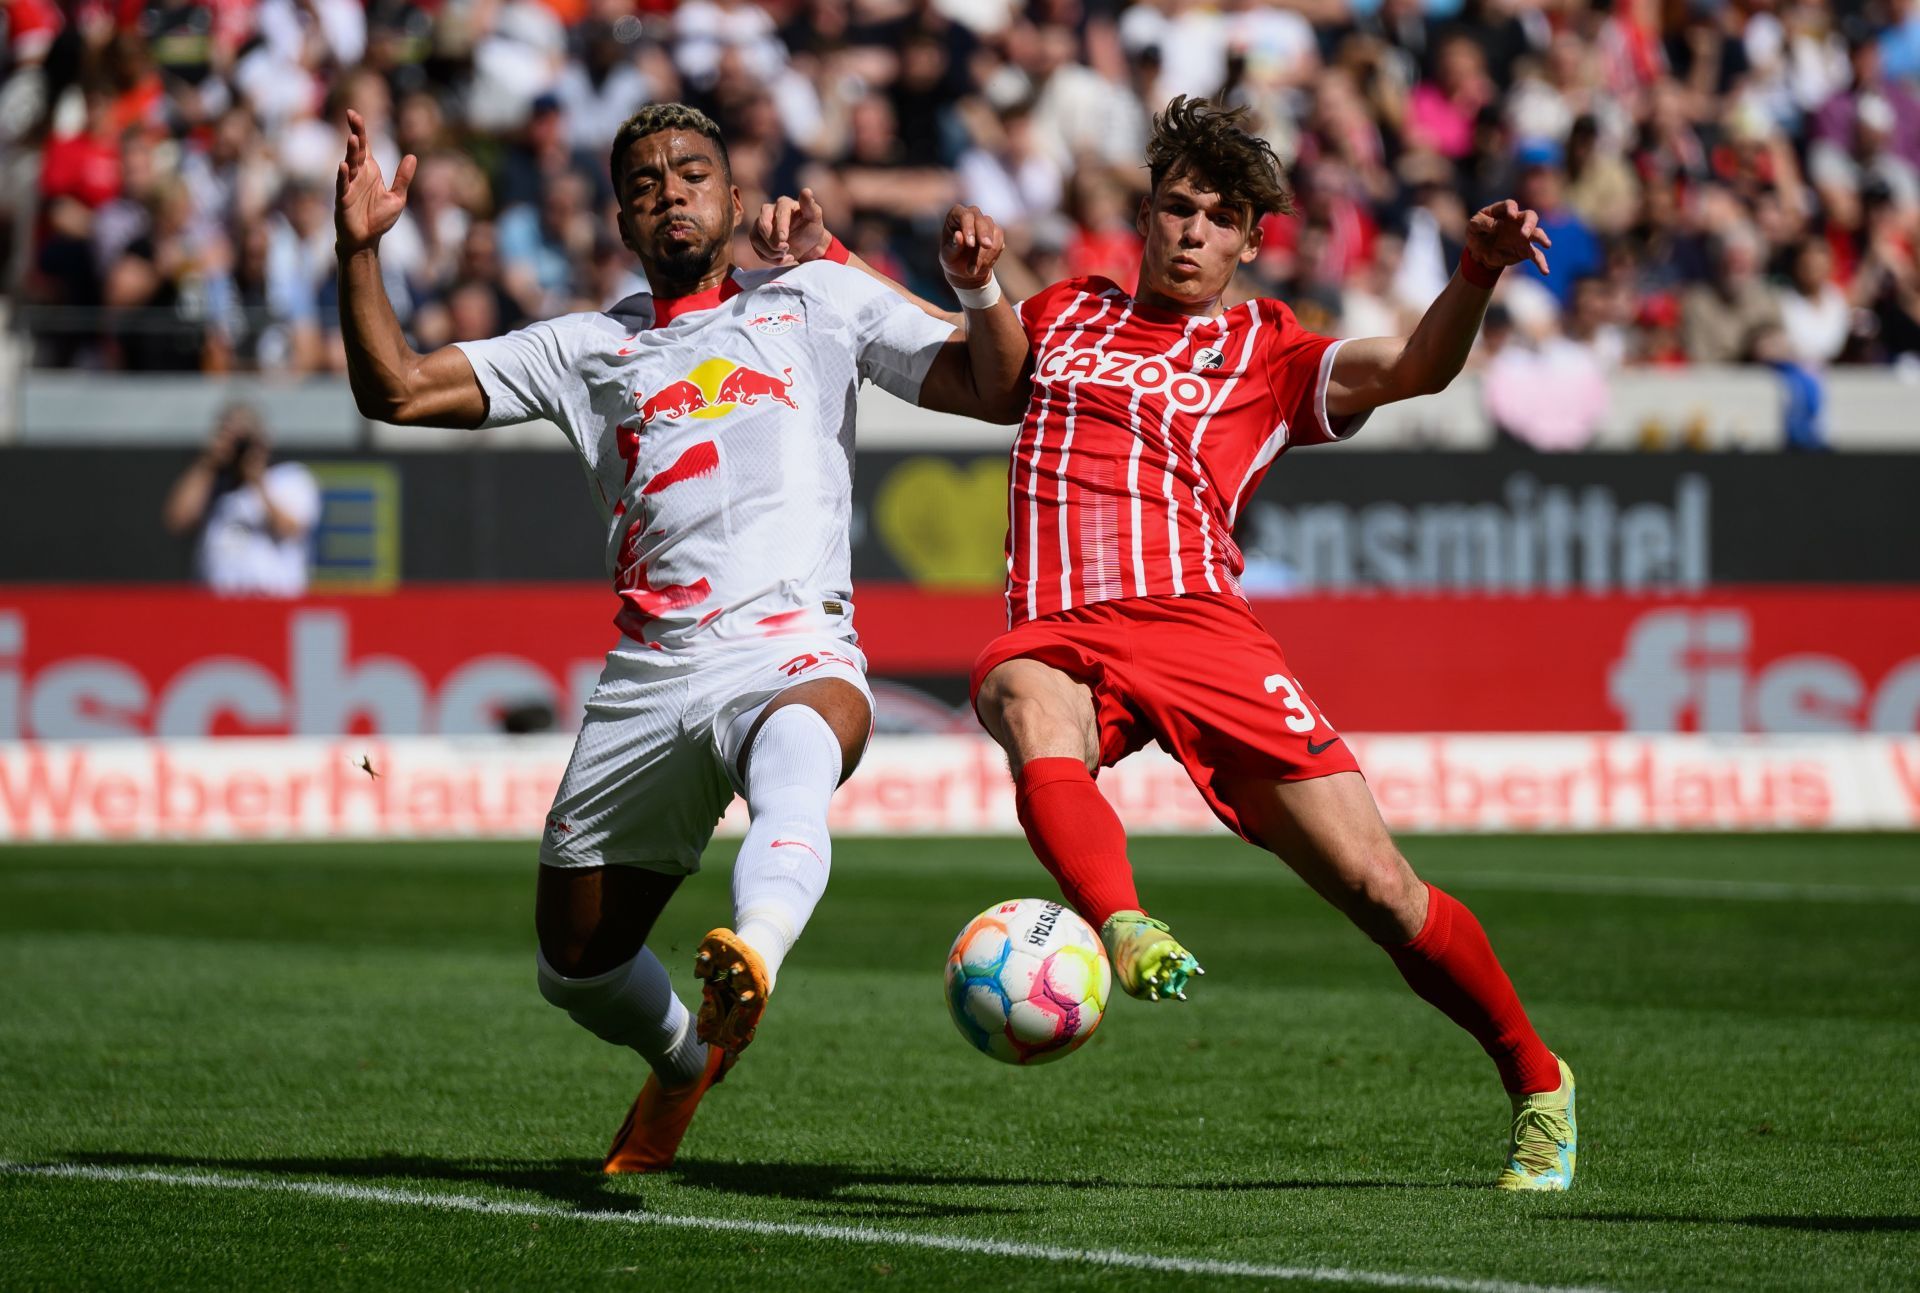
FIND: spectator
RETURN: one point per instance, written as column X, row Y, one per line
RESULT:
column 1719, row 317
column 1888, row 281
column 1593, row 326
column 1657, row 336
column 599, row 90
column 1005, row 173
column 1104, row 242
column 1815, row 313
column 1543, row 391
column 1802, row 397
column 299, row 264
column 156, row 291
column 1576, row 249
column 540, row 245
column 1078, row 112
column 1644, row 132
column 253, row 519
column 1869, row 157
column 541, row 154
column 1601, row 187
column 1899, row 45
column 1442, row 112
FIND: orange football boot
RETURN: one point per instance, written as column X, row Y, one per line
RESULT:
column 735, row 992
column 658, row 1121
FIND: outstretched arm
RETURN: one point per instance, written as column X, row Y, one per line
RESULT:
column 390, row 381
column 979, row 374
column 1379, row 370
column 982, row 375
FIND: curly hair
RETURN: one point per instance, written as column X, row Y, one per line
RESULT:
column 653, row 119
column 1212, row 146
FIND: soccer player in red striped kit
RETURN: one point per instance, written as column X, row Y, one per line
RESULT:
column 1151, row 419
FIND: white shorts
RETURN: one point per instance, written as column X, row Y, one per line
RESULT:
column 657, row 760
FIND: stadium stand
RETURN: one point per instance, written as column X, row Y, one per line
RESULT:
column 1725, row 182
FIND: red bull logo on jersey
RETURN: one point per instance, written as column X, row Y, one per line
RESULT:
column 775, row 323
column 674, row 400
column 1149, row 374
column 713, row 389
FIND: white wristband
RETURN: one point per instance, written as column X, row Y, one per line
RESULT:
column 978, row 298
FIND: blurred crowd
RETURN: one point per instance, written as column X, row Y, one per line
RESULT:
column 1724, row 181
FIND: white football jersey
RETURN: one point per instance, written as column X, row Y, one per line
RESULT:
column 720, row 444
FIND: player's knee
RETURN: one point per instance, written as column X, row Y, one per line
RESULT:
column 576, row 951
column 1031, row 719
column 584, row 995
column 567, row 957
column 1384, row 896
column 1036, row 727
column 996, row 693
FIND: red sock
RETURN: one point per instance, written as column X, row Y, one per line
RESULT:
column 1452, row 966
column 1077, row 836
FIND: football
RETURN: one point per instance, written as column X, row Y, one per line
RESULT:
column 1027, row 981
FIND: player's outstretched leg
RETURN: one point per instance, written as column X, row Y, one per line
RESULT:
column 593, row 964
column 1329, row 830
column 1045, row 721
column 792, row 767
column 1079, row 839
column 1450, row 963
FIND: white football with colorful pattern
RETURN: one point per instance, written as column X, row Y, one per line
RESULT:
column 1027, row 981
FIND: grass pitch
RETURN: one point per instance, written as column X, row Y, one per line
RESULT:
column 255, row 1061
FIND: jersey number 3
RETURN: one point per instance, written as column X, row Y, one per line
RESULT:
column 1299, row 717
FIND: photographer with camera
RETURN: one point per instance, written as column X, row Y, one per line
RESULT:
column 253, row 518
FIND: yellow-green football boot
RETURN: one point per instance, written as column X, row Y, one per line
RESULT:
column 1150, row 961
column 1546, row 1139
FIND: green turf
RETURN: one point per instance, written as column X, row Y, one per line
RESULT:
column 367, row 1015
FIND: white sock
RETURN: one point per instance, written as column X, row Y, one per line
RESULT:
column 633, row 1005
column 792, row 772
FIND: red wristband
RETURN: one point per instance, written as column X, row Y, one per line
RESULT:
column 1478, row 272
column 836, row 252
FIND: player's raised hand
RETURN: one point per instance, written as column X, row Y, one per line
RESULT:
column 1505, row 234
column 364, row 207
column 970, row 243
column 791, row 231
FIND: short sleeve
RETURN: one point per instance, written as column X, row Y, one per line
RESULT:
column 1299, row 366
column 895, row 341
column 521, row 372
column 295, row 492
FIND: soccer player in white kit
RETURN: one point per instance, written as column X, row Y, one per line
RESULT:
column 714, row 418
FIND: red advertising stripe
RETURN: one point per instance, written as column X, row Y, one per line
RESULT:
column 1733, row 659
column 93, row 661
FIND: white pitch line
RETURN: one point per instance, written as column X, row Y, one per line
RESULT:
column 1664, row 887
column 1113, row 1257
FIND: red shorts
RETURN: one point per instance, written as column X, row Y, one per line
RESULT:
column 1198, row 674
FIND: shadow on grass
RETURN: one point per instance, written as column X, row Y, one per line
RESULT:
column 802, row 1181
column 849, row 1192
column 1838, row 1225
column 577, row 1182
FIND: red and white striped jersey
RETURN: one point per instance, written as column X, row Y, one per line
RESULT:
column 1146, row 433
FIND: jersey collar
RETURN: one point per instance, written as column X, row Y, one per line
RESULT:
column 668, row 308
column 1175, row 318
